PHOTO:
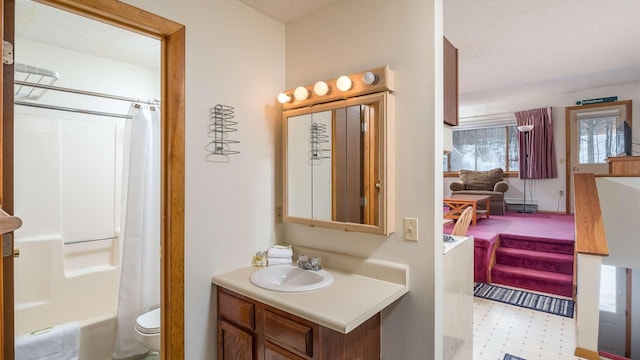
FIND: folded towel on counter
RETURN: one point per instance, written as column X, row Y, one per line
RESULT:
column 279, row 253
column 279, row 261
column 60, row 342
column 282, row 246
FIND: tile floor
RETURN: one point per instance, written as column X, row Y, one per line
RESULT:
column 152, row 356
column 533, row 335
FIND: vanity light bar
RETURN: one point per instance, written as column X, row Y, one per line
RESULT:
column 346, row 86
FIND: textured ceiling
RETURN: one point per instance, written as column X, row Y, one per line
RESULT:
column 286, row 10
column 509, row 47
column 51, row 26
column 506, row 48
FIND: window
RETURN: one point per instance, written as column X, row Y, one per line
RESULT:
column 608, row 290
column 599, row 138
column 484, row 149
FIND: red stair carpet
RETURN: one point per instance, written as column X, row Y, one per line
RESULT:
column 609, row 356
column 534, row 251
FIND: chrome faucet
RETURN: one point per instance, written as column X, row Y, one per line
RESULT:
column 305, row 263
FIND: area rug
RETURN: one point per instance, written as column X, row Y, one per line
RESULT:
column 525, row 299
column 511, row 357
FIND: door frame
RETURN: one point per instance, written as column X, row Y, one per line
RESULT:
column 172, row 79
column 569, row 172
column 6, row 182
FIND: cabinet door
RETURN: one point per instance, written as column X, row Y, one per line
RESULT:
column 450, row 85
column 234, row 343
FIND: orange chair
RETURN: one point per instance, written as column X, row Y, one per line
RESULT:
column 462, row 224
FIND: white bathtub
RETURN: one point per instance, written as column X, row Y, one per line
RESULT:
column 56, row 284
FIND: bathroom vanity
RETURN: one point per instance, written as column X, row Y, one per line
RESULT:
column 249, row 329
column 340, row 321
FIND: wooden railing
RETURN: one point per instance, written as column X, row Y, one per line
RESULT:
column 590, row 235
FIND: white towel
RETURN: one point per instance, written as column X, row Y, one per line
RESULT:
column 62, row 342
column 279, row 253
column 279, row 261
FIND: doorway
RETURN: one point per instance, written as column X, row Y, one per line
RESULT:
column 172, row 36
column 73, row 134
column 594, row 133
column 615, row 306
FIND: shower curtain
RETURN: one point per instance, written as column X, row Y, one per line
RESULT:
column 140, row 226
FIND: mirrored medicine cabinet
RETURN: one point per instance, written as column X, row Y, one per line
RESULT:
column 337, row 172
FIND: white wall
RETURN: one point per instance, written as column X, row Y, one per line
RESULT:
column 234, row 56
column 587, row 314
column 620, row 205
column 351, row 36
column 546, row 193
column 87, row 72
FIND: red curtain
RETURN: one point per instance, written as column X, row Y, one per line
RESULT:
column 541, row 162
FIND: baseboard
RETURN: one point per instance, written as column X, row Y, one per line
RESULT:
column 532, row 208
column 587, row 354
column 552, row 212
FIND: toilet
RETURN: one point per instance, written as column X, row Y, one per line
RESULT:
column 148, row 329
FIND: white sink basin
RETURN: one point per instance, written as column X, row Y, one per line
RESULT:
column 290, row 278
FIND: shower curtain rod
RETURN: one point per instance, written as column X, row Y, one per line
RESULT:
column 84, row 92
column 75, row 110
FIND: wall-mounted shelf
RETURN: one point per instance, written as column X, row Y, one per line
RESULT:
column 221, row 124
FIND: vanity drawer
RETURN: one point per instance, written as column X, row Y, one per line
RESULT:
column 288, row 333
column 274, row 352
column 237, row 311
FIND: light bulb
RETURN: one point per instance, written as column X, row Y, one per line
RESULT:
column 321, row 88
column 369, row 78
column 344, row 83
column 283, row 98
column 525, row 128
column 301, row 93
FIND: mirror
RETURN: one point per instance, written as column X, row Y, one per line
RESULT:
column 336, row 168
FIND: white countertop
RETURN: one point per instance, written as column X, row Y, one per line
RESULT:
column 448, row 246
column 342, row 306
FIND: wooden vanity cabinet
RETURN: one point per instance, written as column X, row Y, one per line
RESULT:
column 251, row 330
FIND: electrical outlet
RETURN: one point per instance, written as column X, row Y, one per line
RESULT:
column 411, row 229
column 278, row 214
